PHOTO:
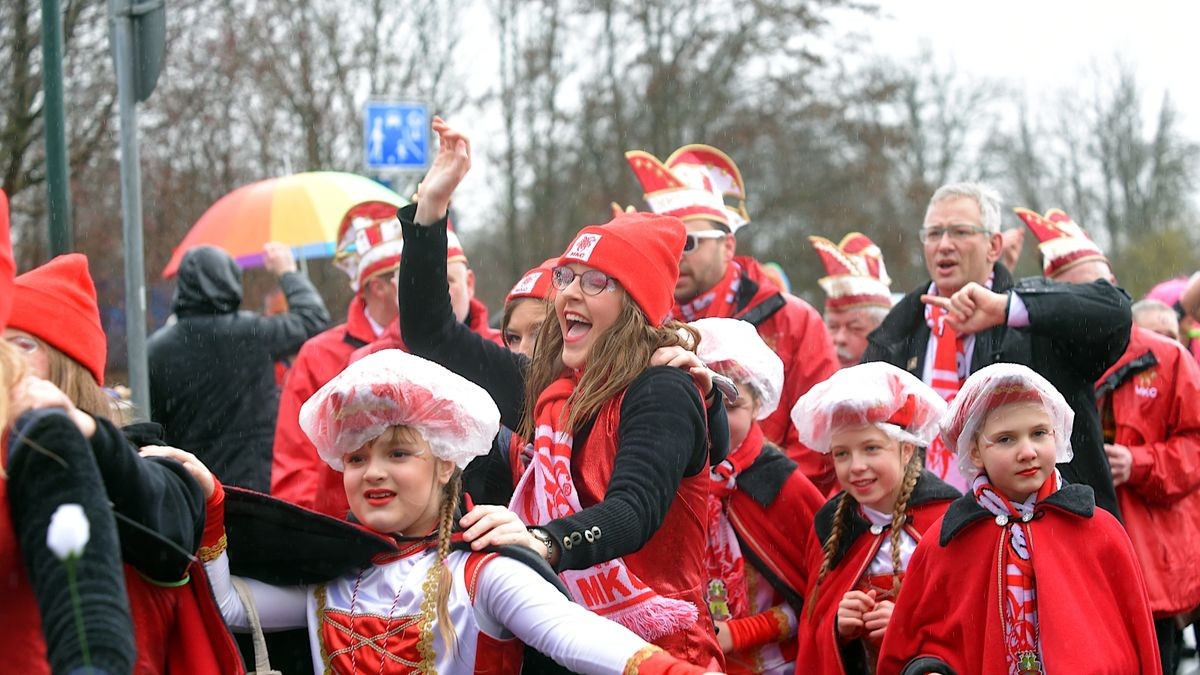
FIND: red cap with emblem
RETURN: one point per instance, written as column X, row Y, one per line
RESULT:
column 639, row 250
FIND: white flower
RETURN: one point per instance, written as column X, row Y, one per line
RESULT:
column 68, row 532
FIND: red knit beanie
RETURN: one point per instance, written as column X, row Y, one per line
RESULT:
column 7, row 266
column 535, row 284
column 639, row 250
column 57, row 303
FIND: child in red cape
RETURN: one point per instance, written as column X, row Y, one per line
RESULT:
column 1023, row 574
column 871, row 418
column 761, row 510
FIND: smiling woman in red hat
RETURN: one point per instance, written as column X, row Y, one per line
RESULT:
column 616, row 485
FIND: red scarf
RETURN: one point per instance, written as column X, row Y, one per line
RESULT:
column 547, row 492
column 1019, row 606
column 950, row 352
column 727, row 592
column 720, row 300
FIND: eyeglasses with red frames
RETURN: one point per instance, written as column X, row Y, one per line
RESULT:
column 592, row 282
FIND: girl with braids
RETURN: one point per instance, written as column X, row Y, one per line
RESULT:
column 873, row 419
column 1023, row 575
column 401, row 429
column 616, row 484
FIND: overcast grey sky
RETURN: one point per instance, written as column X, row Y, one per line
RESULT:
column 1041, row 48
column 1050, row 45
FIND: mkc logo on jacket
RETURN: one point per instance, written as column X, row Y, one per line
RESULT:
column 1143, row 384
column 582, row 249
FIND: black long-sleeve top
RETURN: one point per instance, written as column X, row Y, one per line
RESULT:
column 662, row 430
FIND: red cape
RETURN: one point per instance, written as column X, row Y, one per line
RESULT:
column 1093, row 613
column 820, row 651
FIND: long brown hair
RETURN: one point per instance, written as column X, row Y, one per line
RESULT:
column 618, row 356
column 77, row 383
column 841, row 520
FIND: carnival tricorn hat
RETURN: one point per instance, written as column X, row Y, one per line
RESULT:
column 346, row 255
column 692, row 185
column 854, row 273
column 1063, row 243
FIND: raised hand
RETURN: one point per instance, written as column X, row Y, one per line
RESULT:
column 452, row 162
column 34, row 393
column 278, row 258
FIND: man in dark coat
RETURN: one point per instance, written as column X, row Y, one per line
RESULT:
column 212, row 379
column 1069, row 333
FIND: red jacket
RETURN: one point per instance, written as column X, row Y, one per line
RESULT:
column 820, row 650
column 1158, row 419
column 295, row 464
column 1093, row 615
column 796, row 332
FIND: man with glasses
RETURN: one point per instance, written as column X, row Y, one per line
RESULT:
column 971, row 314
column 693, row 185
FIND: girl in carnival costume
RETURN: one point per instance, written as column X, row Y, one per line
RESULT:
column 761, row 510
column 1023, row 575
column 873, row 419
column 402, row 429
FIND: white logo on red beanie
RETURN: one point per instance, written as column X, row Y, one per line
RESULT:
column 526, row 284
column 581, row 250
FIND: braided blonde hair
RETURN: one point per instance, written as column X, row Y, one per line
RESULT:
column 846, row 506
column 435, row 605
column 912, row 471
column 841, row 517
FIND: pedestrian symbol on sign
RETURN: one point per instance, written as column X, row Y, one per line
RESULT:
column 396, row 135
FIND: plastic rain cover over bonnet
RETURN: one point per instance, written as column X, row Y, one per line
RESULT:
column 390, row 388
column 902, row 406
column 733, row 348
column 999, row 385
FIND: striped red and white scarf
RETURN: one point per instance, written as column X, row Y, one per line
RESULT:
column 1019, row 606
column 547, row 492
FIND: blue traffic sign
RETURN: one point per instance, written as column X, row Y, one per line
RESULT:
column 396, row 135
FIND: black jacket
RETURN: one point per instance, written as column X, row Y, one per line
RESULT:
column 212, row 373
column 1075, row 332
column 49, row 464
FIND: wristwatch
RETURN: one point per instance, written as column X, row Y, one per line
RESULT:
column 547, row 541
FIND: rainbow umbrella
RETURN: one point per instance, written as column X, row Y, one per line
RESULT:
column 302, row 210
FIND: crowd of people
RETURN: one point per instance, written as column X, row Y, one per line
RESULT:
column 661, row 462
